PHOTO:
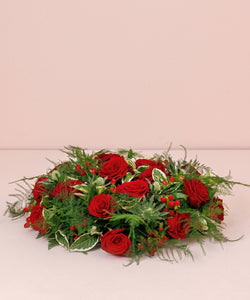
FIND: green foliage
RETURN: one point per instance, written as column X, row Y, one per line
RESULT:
column 69, row 223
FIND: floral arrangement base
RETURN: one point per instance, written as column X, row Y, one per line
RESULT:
column 129, row 205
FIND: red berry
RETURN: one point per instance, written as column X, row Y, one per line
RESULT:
column 164, row 182
column 141, row 247
column 171, row 204
column 26, row 225
column 160, row 244
column 160, row 228
column 214, row 215
column 76, row 237
column 78, row 168
column 72, row 227
column 155, row 235
column 113, row 181
column 93, row 171
column 165, row 209
column 170, row 197
column 113, row 189
column 88, row 163
column 28, row 219
column 164, row 238
column 82, row 172
column 167, row 173
column 30, row 206
column 171, row 212
column 177, row 202
column 25, row 209
column 172, row 179
column 163, row 199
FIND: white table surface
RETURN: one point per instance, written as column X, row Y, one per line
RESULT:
column 29, row 271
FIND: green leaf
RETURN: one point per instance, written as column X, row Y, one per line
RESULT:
column 62, row 239
column 85, row 242
column 99, row 181
column 158, row 175
column 128, row 177
column 180, row 196
column 156, row 186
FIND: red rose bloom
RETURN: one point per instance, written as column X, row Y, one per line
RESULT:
column 107, row 156
column 102, row 206
column 114, row 168
column 196, row 191
column 65, row 189
column 39, row 189
column 136, row 188
column 37, row 221
column 147, row 174
column 145, row 162
column 179, row 225
column 217, row 210
column 115, row 242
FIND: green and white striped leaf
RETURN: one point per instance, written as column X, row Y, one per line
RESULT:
column 180, row 196
column 128, row 177
column 131, row 163
column 156, row 186
column 85, row 242
column 62, row 239
column 158, row 175
column 99, row 181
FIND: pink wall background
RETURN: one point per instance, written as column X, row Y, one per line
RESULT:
column 133, row 73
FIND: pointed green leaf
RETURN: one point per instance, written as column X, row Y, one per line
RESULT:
column 85, row 242
column 156, row 186
column 62, row 239
column 128, row 177
column 158, row 175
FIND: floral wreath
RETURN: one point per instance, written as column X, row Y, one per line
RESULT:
column 129, row 205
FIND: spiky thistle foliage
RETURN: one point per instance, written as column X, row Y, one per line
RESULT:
column 126, row 203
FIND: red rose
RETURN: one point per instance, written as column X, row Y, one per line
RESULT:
column 145, row 162
column 147, row 174
column 65, row 189
column 114, row 168
column 196, row 191
column 217, row 210
column 107, row 156
column 102, row 206
column 39, row 189
column 115, row 242
column 136, row 188
column 37, row 221
column 179, row 225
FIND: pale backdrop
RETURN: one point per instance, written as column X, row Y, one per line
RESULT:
column 133, row 73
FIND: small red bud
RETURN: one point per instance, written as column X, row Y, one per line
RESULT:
column 113, row 189
column 76, row 237
column 93, row 171
column 78, row 168
column 177, row 202
column 113, row 181
column 150, row 232
column 160, row 229
column 170, row 197
column 172, row 179
column 160, row 244
column 164, row 182
column 214, row 215
column 26, row 225
column 25, row 209
column 164, row 238
column 30, row 206
column 88, row 163
column 171, row 204
column 163, row 199
column 72, row 227
column 165, row 209
column 82, row 172
column 28, row 219
column 171, row 212
column 141, row 247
